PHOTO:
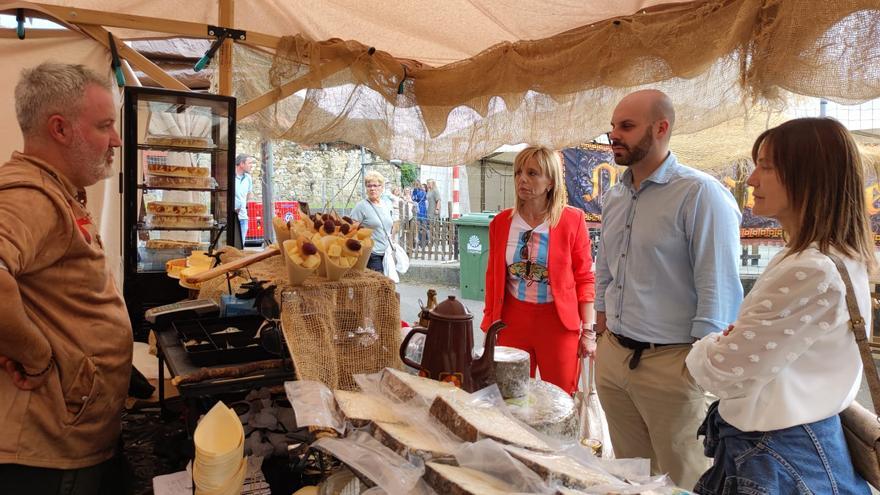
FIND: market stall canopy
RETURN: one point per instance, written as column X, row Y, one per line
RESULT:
column 447, row 82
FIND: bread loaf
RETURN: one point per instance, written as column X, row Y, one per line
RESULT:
column 185, row 141
column 172, row 182
column 471, row 423
column 556, row 468
column 453, row 480
column 177, row 170
column 171, row 244
column 176, row 209
column 179, row 222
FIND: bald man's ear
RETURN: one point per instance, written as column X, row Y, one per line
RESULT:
column 59, row 129
column 663, row 128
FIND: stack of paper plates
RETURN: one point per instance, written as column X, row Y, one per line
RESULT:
column 220, row 466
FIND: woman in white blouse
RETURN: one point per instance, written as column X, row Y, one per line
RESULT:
column 789, row 364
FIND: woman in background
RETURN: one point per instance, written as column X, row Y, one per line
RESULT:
column 374, row 213
column 538, row 280
column 789, row 364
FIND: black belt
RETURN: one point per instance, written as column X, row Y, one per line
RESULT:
column 637, row 346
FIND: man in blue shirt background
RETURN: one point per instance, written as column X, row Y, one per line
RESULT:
column 666, row 275
column 244, row 189
column 419, row 197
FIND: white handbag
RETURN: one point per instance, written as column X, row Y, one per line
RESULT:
column 395, row 261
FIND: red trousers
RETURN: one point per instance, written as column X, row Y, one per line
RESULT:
column 536, row 329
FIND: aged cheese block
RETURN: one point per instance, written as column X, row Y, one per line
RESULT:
column 405, row 386
column 410, row 440
column 176, row 209
column 361, row 408
column 471, row 423
column 177, row 170
column 548, row 409
column 512, row 371
column 454, row 480
column 556, row 468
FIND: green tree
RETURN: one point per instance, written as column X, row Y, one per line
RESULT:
column 409, row 172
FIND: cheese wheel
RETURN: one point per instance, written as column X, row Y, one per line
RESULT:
column 547, row 409
column 512, row 367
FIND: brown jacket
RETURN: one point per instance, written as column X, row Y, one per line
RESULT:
column 51, row 248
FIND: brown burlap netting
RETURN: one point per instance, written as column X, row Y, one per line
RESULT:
column 717, row 59
column 334, row 330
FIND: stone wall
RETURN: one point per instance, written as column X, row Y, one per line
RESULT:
column 317, row 173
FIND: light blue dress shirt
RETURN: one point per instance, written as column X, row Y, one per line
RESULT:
column 667, row 265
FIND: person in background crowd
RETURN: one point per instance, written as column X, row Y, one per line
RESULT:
column 538, row 278
column 65, row 336
column 666, row 274
column 244, row 189
column 393, row 199
column 433, row 200
column 790, row 363
column 419, row 197
column 374, row 213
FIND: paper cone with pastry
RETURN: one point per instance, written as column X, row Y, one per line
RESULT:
column 282, row 233
column 301, row 259
column 364, row 257
column 339, row 257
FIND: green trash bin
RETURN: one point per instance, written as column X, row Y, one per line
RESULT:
column 473, row 253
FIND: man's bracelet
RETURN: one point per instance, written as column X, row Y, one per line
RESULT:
column 41, row 373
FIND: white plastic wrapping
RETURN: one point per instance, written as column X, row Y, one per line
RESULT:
column 488, row 456
column 313, row 404
column 365, row 456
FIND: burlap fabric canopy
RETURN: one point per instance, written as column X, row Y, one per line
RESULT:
column 716, row 59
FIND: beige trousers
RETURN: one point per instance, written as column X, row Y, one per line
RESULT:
column 654, row 410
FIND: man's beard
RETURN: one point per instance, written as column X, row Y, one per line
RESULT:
column 91, row 166
column 638, row 152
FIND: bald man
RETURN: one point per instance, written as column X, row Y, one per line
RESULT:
column 666, row 275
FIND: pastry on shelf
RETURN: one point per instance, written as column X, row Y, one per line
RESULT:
column 172, row 182
column 179, row 222
column 172, row 244
column 177, row 170
column 183, row 141
column 177, row 208
column 174, row 267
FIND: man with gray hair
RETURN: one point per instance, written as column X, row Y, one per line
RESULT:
column 65, row 336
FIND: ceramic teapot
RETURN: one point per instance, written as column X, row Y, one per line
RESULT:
column 449, row 345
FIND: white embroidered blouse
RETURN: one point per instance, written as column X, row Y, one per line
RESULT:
column 791, row 358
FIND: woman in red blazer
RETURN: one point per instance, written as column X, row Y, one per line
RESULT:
column 538, row 280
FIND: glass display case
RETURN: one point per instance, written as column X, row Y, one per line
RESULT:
column 178, row 180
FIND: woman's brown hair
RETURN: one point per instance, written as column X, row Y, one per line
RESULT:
column 820, row 167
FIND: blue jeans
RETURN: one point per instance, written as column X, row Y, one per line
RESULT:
column 244, row 228
column 804, row 459
column 375, row 262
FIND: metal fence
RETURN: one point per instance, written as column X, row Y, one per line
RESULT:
column 434, row 239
